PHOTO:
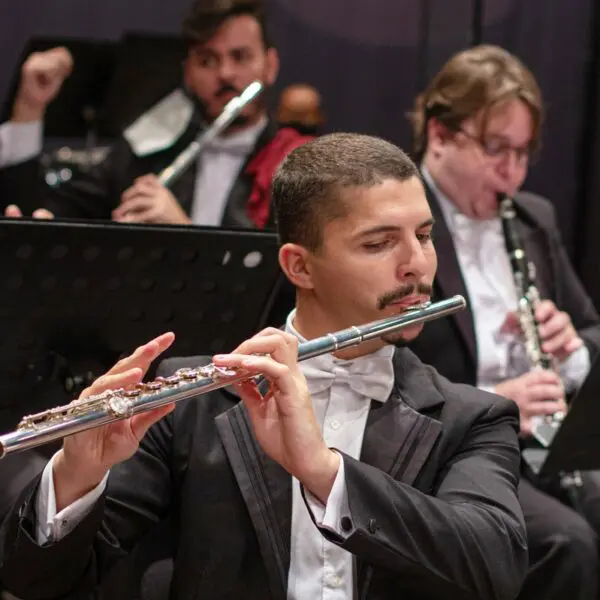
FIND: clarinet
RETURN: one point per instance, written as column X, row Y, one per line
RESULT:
column 544, row 428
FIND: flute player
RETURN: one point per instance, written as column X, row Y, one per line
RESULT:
column 228, row 47
column 363, row 472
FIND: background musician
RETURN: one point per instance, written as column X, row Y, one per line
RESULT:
column 228, row 48
column 477, row 126
column 418, row 499
column 300, row 107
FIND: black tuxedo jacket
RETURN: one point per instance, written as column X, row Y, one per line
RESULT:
column 434, row 509
column 95, row 194
column 20, row 182
column 449, row 344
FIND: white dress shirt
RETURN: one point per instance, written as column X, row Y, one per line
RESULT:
column 219, row 165
column 483, row 260
column 19, row 142
column 341, row 393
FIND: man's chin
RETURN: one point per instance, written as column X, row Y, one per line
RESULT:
column 404, row 337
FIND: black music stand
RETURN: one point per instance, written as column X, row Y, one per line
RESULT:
column 75, row 296
column 77, row 110
column 576, row 445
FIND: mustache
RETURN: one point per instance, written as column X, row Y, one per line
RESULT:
column 422, row 289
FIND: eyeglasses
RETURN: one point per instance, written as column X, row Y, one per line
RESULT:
column 497, row 149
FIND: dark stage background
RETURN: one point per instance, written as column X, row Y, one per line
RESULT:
column 369, row 59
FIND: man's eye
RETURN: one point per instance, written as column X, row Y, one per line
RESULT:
column 374, row 246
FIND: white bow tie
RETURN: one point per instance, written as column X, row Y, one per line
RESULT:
column 372, row 378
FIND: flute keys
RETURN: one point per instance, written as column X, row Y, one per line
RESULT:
column 153, row 386
column 119, row 407
column 188, row 374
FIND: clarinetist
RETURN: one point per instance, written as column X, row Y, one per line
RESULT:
column 363, row 474
column 477, row 126
column 229, row 47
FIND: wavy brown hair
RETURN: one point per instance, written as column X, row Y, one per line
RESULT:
column 474, row 81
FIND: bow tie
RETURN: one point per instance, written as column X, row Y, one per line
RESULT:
column 372, row 377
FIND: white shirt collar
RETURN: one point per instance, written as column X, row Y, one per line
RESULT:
column 377, row 366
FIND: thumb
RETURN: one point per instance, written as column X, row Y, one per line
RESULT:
column 12, row 211
column 142, row 422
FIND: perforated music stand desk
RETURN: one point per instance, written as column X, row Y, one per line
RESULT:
column 576, row 445
column 75, row 296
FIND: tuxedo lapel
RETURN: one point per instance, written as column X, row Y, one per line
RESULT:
column 184, row 187
column 399, row 437
column 449, row 276
column 236, row 211
column 537, row 249
column 267, row 491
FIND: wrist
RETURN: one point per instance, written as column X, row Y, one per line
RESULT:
column 320, row 476
column 73, row 480
column 27, row 112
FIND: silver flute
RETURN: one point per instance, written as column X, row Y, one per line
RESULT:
column 231, row 111
column 114, row 405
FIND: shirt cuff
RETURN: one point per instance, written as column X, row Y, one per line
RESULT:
column 575, row 369
column 329, row 516
column 53, row 526
column 19, row 142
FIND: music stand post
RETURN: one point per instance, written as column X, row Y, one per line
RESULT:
column 76, row 296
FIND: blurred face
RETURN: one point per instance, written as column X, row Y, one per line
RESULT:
column 374, row 261
column 472, row 166
column 300, row 107
column 226, row 64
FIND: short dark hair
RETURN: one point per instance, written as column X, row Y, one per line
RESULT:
column 207, row 16
column 307, row 185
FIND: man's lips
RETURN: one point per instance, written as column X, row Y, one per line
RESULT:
column 411, row 301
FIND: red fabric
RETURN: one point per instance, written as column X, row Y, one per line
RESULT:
column 263, row 166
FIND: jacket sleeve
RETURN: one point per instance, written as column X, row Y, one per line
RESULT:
column 91, row 194
column 75, row 565
column 467, row 536
column 95, row 193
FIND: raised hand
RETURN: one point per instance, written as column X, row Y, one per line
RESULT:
column 283, row 419
column 42, row 76
column 536, row 393
column 86, row 457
